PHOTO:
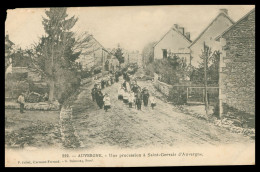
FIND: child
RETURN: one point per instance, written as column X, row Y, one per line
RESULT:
column 107, row 104
column 125, row 97
column 153, row 102
column 131, row 99
column 120, row 93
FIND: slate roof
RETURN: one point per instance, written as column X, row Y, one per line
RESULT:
column 200, row 35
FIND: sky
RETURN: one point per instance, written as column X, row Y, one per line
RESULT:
column 130, row 26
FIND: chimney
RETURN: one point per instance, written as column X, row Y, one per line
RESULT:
column 181, row 30
column 223, row 10
column 187, row 34
column 175, row 26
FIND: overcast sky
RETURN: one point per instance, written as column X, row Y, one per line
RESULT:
column 132, row 27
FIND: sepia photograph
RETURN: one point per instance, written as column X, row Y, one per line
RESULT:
column 130, row 86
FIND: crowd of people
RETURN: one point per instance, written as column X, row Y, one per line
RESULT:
column 133, row 94
column 128, row 92
column 101, row 99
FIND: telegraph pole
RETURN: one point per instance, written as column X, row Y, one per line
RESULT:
column 205, row 77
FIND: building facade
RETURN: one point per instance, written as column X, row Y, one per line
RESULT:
column 237, row 65
column 175, row 41
column 93, row 56
column 214, row 29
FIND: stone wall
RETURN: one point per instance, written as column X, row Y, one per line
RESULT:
column 237, row 66
column 163, row 87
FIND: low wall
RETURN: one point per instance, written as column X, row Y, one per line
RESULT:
column 163, row 87
column 33, row 106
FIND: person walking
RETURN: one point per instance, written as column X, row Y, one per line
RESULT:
column 145, row 96
column 103, row 82
column 99, row 99
column 107, row 104
column 120, row 92
column 125, row 96
column 21, row 101
column 135, row 87
column 131, row 99
column 153, row 102
column 93, row 92
column 116, row 76
column 124, row 84
column 112, row 79
column 138, row 99
column 128, row 88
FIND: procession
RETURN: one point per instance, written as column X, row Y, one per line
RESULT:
column 129, row 92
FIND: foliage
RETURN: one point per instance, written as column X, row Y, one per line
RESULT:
column 212, row 61
column 178, row 95
column 8, row 52
column 171, row 70
column 147, row 53
column 56, row 53
column 20, row 58
column 119, row 55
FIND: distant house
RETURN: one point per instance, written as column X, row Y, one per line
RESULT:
column 237, row 65
column 93, row 56
column 175, row 42
column 112, row 63
column 133, row 57
column 215, row 28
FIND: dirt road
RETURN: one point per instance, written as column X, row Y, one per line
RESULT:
column 129, row 128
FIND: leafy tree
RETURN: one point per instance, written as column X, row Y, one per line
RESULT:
column 212, row 67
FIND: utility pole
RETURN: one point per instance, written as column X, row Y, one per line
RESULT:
column 205, row 77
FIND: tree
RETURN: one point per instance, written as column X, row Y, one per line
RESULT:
column 55, row 54
column 147, row 53
column 8, row 51
column 212, row 60
column 119, row 55
column 212, row 66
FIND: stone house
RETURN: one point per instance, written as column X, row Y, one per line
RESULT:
column 111, row 63
column 93, row 56
column 175, row 42
column 237, row 65
column 218, row 25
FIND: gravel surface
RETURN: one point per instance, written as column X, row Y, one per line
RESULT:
column 125, row 127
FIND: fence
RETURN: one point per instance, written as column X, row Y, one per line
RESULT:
column 180, row 94
column 196, row 95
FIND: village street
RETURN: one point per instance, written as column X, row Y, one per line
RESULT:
column 120, row 127
column 125, row 127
